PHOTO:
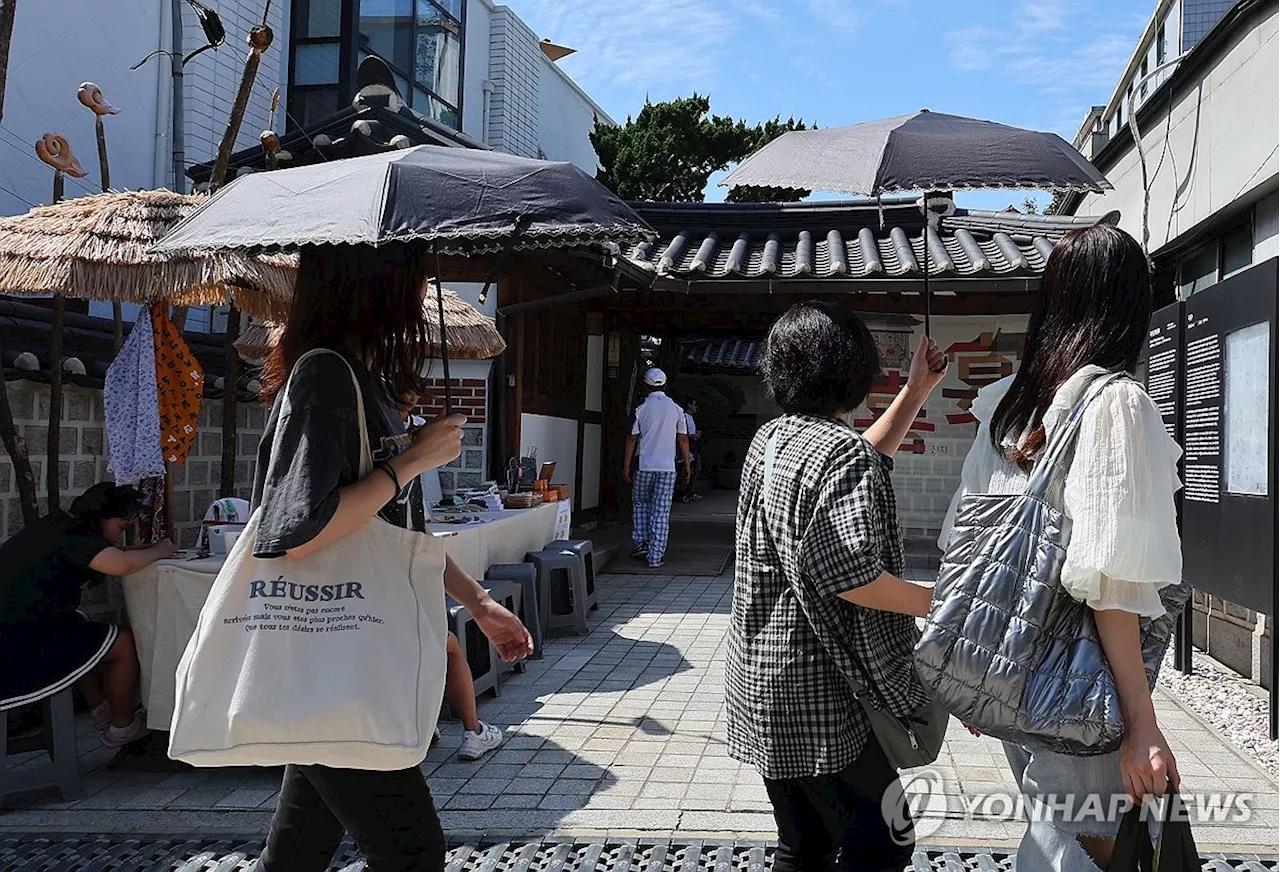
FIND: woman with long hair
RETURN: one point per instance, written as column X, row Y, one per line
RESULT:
column 366, row 305
column 1090, row 322
column 46, row 643
column 818, row 596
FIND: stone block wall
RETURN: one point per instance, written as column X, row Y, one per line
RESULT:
column 471, row 398
column 83, row 452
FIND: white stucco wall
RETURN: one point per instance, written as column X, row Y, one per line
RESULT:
column 56, row 46
column 566, row 117
column 1220, row 147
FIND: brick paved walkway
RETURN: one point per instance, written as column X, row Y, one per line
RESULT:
column 620, row 734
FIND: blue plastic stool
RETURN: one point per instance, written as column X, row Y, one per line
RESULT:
column 526, row 576
column 586, row 553
column 562, row 590
column 57, row 737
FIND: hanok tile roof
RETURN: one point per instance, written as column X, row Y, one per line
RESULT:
column 734, row 354
column 842, row 239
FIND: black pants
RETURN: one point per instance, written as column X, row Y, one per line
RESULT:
column 390, row 815
column 838, row 821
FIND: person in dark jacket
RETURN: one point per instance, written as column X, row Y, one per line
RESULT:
column 46, row 644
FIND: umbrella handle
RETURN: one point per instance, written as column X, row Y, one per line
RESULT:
column 444, row 339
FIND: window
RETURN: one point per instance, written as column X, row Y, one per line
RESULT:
column 1162, row 44
column 1227, row 255
column 1237, row 251
column 1198, row 270
column 315, row 61
column 1142, row 77
column 421, row 40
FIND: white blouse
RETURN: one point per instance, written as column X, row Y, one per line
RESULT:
column 1119, row 492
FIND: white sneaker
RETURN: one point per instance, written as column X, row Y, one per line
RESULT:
column 476, row 745
column 114, row 737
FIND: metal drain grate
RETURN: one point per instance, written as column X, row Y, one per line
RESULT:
column 46, row 853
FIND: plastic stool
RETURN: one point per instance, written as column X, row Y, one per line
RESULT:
column 586, row 553
column 57, row 737
column 481, row 656
column 508, row 594
column 562, row 590
column 526, row 576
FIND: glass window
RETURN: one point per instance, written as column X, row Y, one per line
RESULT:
column 1142, row 76
column 437, row 61
column 1162, row 44
column 386, row 29
column 426, row 103
column 317, row 18
column 315, row 64
column 309, row 105
column 102, row 309
column 1237, row 251
column 453, row 7
column 1197, row 271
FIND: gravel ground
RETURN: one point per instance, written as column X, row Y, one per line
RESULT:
column 1232, row 705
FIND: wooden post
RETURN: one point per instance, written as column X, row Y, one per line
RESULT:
column 14, row 444
column 90, row 95
column 54, row 150
column 260, row 38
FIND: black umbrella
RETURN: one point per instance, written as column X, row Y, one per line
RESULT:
column 458, row 201
column 924, row 151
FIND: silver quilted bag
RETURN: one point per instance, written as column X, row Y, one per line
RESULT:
column 1005, row 649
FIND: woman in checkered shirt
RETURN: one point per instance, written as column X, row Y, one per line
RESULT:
column 819, row 598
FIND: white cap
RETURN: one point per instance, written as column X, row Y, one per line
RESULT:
column 655, row 378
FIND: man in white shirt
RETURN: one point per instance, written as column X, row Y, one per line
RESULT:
column 659, row 425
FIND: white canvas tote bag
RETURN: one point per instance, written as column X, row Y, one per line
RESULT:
column 336, row 659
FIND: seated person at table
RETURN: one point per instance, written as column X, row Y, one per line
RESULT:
column 45, row 643
column 478, row 738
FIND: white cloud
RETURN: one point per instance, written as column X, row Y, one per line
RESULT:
column 972, row 48
column 632, row 44
column 839, row 14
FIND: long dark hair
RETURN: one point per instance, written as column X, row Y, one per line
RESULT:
column 1094, row 308
column 361, row 297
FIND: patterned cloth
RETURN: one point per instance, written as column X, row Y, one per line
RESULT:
column 180, row 386
column 132, row 411
column 651, row 494
column 828, row 525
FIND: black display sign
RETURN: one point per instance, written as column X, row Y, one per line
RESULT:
column 1228, row 438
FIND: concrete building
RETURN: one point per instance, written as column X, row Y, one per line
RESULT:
column 1208, row 130
column 1201, row 91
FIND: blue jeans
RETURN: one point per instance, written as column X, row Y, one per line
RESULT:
column 1067, row 797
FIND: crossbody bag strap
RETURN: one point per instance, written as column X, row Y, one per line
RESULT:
column 770, row 461
column 1060, row 449
column 366, row 453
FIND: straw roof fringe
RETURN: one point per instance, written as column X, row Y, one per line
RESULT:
column 99, row 248
column 471, row 335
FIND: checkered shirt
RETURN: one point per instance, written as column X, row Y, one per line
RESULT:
column 828, row 525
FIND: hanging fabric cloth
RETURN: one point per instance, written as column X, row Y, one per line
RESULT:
column 180, row 387
column 132, row 411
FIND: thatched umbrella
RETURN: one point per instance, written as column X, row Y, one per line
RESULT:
column 470, row 335
column 99, row 248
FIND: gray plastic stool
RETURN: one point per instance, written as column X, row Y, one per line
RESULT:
column 481, row 656
column 526, row 576
column 510, row 595
column 586, row 553
column 562, row 590
column 57, row 737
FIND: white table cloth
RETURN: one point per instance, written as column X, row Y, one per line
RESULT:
column 164, row 600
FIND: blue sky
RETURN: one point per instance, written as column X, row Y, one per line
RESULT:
column 1030, row 63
